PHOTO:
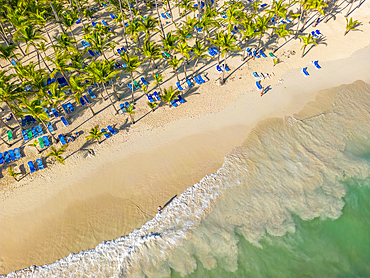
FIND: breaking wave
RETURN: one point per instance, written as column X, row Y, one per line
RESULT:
column 286, row 168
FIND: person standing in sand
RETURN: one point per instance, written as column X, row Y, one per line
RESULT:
column 159, row 209
column 262, row 91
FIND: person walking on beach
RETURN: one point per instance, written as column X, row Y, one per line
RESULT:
column 159, row 209
column 262, row 91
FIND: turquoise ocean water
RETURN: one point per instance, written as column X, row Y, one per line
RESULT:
column 292, row 201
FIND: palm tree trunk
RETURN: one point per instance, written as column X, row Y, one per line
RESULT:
column 304, row 48
column 169, row 7
column 47, row 32
column 128, row 4
column 132, row 119
column 56, row 15
column 160, row 21
column 92, row 111
column 185, row 69
column 195, row 66
column 64, row 75
column 114, row 90
column 223, row 72
column 105, row 89
column 177, row 75
column 350, row 8
column 132, row 87
column 123, row 23
column 3, row 31
column 47, row 129
column 38, row 52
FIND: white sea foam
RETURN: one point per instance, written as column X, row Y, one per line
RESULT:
column 286, row 167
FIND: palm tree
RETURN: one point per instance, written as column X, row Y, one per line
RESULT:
column 281, row 32
column 78, row 86
column 227, row 43
column 7, row 52
column 247, row 34
column 278, row 9
column 30, row 35
column 175, row 64
column 151, row 51
column 57, row 154
column 147, row 25
column 169, row 95
column 133, row 31
column 199, row 52
column 40, row 18
column 34, row 144
column 313, row 5
column 351, row 25
column 13, row 174
column 132, row 62
column 99, row 43
column 234, row 15
column 68, row 20
column 130, row 110
column 159, row 18
column 206, row 23
column 95, row 134
column 307, row 41
column 63, row 43
column 35, row 109
column 184, row 49
column 169, row 42
column 158, row 78
column 60, row 62
column 56, row 96
column 186, row 5
column 262, row 25
column 9, row 91
column 102, row 72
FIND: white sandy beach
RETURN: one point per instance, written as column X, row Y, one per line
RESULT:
column 91, row 199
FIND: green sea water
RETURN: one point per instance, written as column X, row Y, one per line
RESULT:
column 318, row 248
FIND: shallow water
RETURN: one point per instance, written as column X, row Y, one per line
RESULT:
column 292, row 201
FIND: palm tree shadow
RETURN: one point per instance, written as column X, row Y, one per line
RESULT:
column 242, row 64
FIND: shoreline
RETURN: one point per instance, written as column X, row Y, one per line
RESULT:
column 147, row 143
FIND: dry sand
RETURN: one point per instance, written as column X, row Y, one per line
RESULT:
column 74, row 207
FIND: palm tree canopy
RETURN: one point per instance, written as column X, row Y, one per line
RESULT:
column 28, row 34
column 132, row 62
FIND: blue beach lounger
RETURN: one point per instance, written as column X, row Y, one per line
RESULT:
column 163, row 15
column 226, row 67
column 219, row 69
column 31, row 166
column 197, row 80
column 12, row 155
column 189, row 83
column 34, row 132
column 104, row 23
column 156, row 96
column 316, row 64
column 62, row 139
column 255, row 74
column 39, row 130
column 1, row 158
column 201, row 79
column 122, row 107
column 318, row 33
column 127, row 104
column 106, row 134
column 17, row 153
column 25, row 136
column 83, row 103
column 304, row 71
column 47, row 112
column 6, row 157
column 55, row 112
column 180, row 99
column 179, row 86
column 91, row 94
column 14, row 63
column 64, row 121
column 39, row 164
column 111, row 130
column 50, row 127
column 174, row 104
column 258, row 85
column 70, row 107
column 168, row 15
column 91, row 52
column 144, row 81
column 263, row 54
column 46, row 141
column 150, row 98
column 87, row 100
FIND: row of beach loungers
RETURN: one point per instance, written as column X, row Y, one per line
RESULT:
column 40, row 165
column 108, row 133
column 200, row 79
column 136, row 85
column 9, row 156
column 156, row 96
